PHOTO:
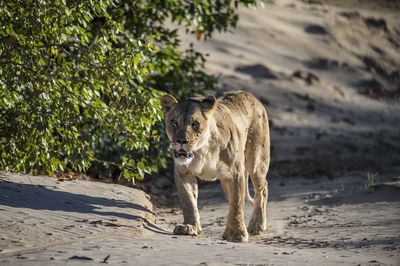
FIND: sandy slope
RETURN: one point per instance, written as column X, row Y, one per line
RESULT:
column 39, row 212
column 329, row 76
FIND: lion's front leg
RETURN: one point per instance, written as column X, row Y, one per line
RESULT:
column 188, row 193
column 235, row 227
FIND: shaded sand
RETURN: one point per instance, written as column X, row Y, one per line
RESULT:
column 39, row 212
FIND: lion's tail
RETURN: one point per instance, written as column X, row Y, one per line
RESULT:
column 249, row 198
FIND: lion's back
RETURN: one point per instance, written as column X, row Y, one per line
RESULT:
column 245, row 107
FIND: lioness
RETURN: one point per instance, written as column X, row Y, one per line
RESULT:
column 225, row 139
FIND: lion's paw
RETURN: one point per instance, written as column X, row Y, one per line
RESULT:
column 186, row 229
column 256, row 226
column 236, row 236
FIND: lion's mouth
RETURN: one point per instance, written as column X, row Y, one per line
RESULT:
column 182, row 154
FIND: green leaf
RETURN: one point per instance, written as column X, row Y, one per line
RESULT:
column 140, row 165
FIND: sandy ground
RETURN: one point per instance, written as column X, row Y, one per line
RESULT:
column 311, row 222
column 328, row 73
column 39, row 213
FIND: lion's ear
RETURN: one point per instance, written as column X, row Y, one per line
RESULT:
column 209, row 103
column 167, row 102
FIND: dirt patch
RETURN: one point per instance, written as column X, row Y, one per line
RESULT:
column 257, row 71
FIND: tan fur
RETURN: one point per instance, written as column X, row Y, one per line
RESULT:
column 225, row 139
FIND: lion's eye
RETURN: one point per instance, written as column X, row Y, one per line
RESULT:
column 195, row 125
column 174, row 123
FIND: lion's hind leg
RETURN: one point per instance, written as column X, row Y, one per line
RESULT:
column 258, row 172
column 258, row 219
column 257, row 154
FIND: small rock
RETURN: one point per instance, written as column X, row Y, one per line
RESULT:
column 318, row 210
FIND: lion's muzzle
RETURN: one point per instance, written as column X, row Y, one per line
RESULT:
column 182, row 154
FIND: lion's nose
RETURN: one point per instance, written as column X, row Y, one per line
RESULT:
column 181, row 141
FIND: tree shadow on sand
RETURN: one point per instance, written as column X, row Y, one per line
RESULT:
column 38, row 197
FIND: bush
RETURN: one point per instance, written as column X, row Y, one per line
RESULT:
column 80, row 80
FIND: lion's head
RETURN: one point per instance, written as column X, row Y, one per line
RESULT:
column 187, row 125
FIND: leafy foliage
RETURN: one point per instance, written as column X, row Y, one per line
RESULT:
column 80, row 80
